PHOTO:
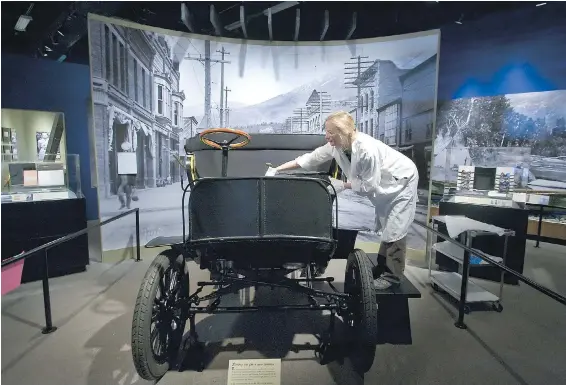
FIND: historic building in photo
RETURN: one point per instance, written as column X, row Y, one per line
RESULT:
column 137, row 104
column 396, row 106
column 168, row 110
column 417, row 115
column 379, row 112
column 318, row 108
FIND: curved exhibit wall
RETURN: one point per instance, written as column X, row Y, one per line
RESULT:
column 152, row 90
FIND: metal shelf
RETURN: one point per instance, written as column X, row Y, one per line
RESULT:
column 456, row 253
column 451, row 282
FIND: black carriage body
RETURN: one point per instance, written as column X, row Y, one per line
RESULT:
column 263, row 226
column 259, row 222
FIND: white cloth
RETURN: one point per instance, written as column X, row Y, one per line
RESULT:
column 386, row 177
column 338, row 186
column 456, row 225
column 271, row 171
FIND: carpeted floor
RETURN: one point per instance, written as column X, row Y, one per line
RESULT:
column 93, row 311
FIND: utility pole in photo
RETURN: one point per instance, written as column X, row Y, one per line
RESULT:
column 299, row 115
column 226, row 109
column 222, row 52
column 207, row 81
column 352, row 78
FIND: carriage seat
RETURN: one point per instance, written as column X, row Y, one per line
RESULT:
column 250, row 161
column 262, row 222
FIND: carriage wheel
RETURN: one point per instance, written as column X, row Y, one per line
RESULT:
column 159, row 323
column 361, row 316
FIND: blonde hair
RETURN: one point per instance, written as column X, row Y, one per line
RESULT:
column 343, row 126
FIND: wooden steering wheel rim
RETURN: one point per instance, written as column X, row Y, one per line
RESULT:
column 208, row 142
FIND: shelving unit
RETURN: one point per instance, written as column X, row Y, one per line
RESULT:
column 451, row 282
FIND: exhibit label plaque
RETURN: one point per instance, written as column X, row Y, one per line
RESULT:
column 254, row 372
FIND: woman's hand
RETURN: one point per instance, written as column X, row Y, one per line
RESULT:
column 347, row 186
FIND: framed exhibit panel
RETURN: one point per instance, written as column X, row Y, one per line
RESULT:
column 286, row 88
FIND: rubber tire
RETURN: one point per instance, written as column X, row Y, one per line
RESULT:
column 366, row 335
column 144, row 361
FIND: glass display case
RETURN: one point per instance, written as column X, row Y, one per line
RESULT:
column 51, row 179
column 486, row 175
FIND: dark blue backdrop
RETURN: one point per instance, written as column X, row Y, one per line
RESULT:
column 45, row 85
column 514, row 52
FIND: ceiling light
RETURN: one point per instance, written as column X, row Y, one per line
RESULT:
column 22, row 23
column 60, row 33
column 48, row 49
column 540, row 4
column 459, row 21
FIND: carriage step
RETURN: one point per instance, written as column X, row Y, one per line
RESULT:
column 393, row 318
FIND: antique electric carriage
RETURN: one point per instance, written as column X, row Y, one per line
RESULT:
column 251, row 231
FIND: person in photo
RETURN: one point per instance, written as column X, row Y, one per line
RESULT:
column 385, row 176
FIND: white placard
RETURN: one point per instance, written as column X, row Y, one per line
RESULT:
column 254, row 372
column 127, row 163
column 46, row 178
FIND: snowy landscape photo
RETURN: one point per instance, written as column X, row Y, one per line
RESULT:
column 153, row 91
column 526, row 131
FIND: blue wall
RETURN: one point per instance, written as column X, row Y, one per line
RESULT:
column 44, row 85
column 513, row 52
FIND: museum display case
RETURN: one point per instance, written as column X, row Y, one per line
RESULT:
column 25, row 181
column 43, row 201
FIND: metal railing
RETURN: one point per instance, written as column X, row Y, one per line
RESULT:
column 465, row 276
column 540, row 211
column 49, row 328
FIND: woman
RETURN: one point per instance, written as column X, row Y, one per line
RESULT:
column 388, row 178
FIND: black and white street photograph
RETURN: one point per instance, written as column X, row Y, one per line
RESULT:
column 153, row 91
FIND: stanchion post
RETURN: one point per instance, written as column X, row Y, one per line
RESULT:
column 138, row 256
column 539, row 230
column 464, row 287
column 49, row 328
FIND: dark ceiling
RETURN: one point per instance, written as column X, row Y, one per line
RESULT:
column 62, row 26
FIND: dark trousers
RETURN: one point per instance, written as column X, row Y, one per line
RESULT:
column 391, row 259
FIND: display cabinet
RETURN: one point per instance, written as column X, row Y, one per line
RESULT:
column 25, row 181
column 43, row 201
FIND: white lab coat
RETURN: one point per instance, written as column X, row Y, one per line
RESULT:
column 386, row 177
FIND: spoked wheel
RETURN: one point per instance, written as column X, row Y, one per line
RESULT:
column 361, row 315
column 159, row 320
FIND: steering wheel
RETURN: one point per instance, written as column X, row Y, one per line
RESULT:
column 226, row 144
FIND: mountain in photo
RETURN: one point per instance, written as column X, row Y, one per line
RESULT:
column 281, row 107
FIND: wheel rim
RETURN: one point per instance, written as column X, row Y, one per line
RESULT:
column 165, row 314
